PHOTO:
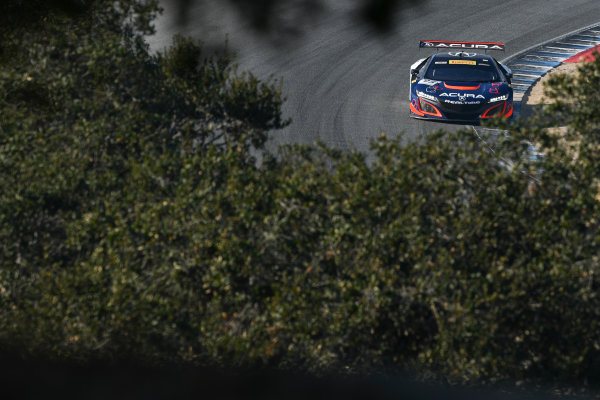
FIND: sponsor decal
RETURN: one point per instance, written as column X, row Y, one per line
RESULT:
column 461, row 102
column 463, row 62
column 499, row 98
column 463, row 54
column 433, row 89
column 461, row 45
column 425, row 96
column 462, row 96
column 441, row 62
column 428, row 82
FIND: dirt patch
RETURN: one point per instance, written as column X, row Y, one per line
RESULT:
column 535, row 99
column 535, row 96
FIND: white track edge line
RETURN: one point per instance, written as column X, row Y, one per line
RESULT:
column 574, row 32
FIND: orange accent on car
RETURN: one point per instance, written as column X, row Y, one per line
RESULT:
column 462, row 87
column 437, row 112
column 510, row 112
column 449, row 41
column 495, row 110
column 414, row 110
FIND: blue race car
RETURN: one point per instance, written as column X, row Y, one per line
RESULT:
column 460, row 85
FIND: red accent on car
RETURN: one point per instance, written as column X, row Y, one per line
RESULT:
column 510, row 112
column 462, row 87
column 450, row 41
column 493, row 90
column 435, row 112
column 414, row 110
column 495, row 110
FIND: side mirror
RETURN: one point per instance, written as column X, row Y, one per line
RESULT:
column 507, row 71
column 416, row 67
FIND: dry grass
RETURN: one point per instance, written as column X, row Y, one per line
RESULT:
column 535, row 96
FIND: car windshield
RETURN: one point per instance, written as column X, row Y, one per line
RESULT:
column 462, row 73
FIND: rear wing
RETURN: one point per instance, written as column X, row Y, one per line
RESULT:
column 443, row 44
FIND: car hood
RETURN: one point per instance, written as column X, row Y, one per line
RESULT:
column 463, row 91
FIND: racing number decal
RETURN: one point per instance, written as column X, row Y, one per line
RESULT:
column 465, row 62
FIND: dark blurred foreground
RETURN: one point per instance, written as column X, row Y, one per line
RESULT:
column 42, row 378
column 264, row 15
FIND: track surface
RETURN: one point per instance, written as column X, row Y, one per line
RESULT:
column 345, row 84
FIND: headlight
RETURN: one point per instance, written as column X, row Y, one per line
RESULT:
column 499, row 98
column 428, row 108
column 494, row 111
column 426, row 96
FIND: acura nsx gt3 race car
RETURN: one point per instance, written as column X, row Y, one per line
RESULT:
column 460, row 85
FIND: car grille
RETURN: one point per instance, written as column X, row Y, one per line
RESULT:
column 468, row 111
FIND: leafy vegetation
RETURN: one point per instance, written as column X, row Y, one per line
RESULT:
column 136, row 221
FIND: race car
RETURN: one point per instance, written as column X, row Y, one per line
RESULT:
column 460, row 84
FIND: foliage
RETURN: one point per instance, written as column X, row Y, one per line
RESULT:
column 136, row 221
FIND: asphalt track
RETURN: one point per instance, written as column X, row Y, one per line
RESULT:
column 345, row 83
